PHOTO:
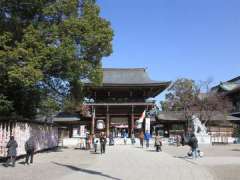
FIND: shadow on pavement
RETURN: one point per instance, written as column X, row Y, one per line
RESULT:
column 153, row 150
column 186, row 158
column 93, row 152
column 4, row 164
column 139, row 147
column 52, row 150
column 182, row 157
column 74, row 168
column 22, row 162
column 236, row 150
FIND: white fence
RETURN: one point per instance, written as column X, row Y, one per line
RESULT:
column 223, row 140
column 45, row 136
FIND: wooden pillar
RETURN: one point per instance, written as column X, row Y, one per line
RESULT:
column 107, row 122
column 93, row 120
column 132, row 120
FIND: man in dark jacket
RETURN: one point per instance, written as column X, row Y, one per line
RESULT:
column 193, row 143
column 12, row 151
column 103, row 141
column 29, row 148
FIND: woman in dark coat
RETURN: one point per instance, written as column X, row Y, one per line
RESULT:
column 12, row 151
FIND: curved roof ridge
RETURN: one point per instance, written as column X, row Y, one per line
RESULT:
column 234, row 79
column 128, row 77
column 124, row 69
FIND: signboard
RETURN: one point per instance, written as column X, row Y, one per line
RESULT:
column 147, row 124
column 79, row 131
column 82, row 131
column 76, row 132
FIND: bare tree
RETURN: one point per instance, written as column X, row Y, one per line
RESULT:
column 211, row 104
column 185, row 96
column 182, row 96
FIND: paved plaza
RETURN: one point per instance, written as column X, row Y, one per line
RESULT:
column 125, row 162
column 223, row 161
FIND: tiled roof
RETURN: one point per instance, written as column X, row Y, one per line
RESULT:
column 127, row 76
column 65, row 117
column 229, row 86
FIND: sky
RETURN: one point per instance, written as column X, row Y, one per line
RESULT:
column 197, row 39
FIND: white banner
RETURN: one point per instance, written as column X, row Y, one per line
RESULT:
column 147, row 124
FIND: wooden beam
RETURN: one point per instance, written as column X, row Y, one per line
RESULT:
column 122, row 104
column 93, row 120
column 132, row 120
column 107, row 122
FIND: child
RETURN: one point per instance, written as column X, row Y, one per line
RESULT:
column 95, row 145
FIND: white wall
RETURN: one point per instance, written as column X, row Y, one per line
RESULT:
column 45, row 136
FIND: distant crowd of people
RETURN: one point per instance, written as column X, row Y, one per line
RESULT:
column 180, row 140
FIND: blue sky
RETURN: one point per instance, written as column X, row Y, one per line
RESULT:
column 197, row 39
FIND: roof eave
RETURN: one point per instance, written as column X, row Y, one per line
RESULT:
column 166, row 84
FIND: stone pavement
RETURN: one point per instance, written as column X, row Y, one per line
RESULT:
column 223, row 161
column 120, row 162
column 45, row 167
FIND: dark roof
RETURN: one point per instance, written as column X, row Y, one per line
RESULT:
column 228, row 86
column 171, row 116
column 128, row 76
column 65, row 117
column 236, row 80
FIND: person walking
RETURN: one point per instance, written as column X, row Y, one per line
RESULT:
column 87, row 141
column 147, row 138
column 141, row 138
column 95, row 145
column 93, row 140
column 178, row 140
column 182, row 140
column 111, row 139
column 30, row 148
column 133, row 138
column 90, row 141
column 125, row 137
column 12, row 151
column 103, row 141
column 158, row 143
column 193, row 143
